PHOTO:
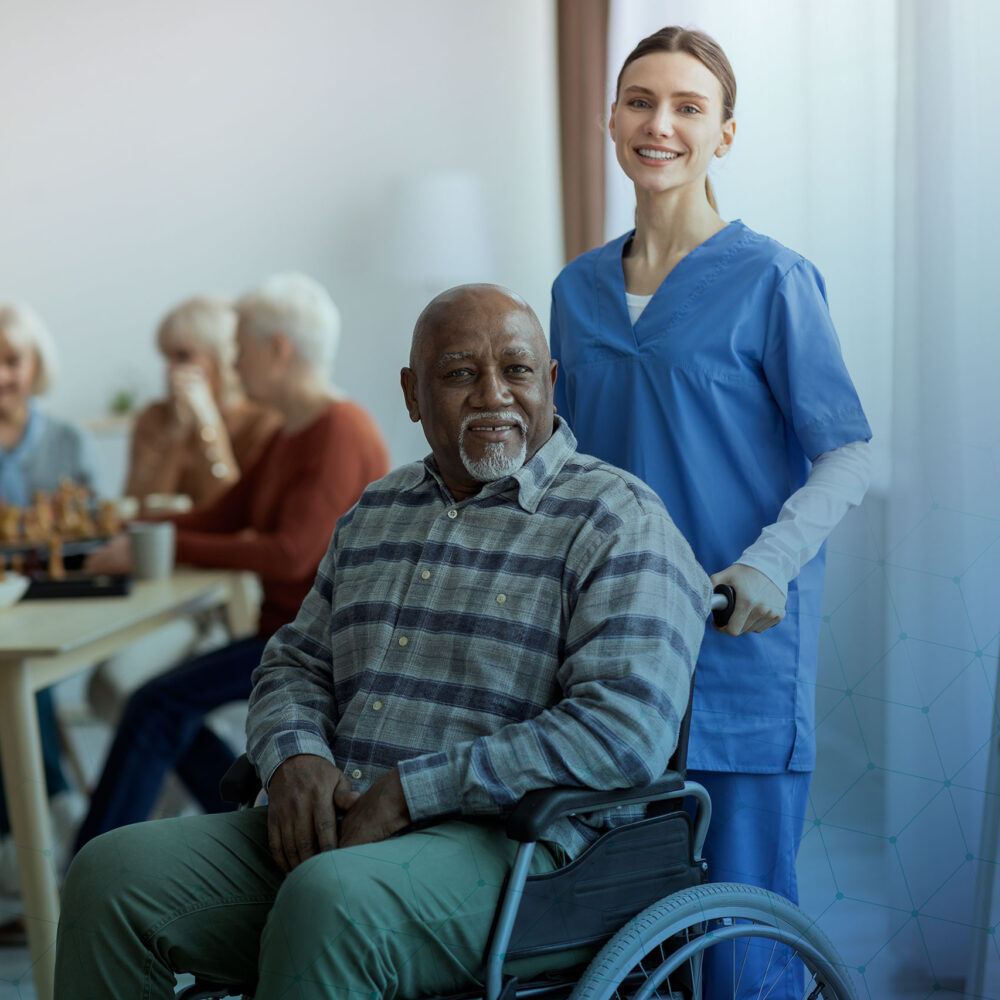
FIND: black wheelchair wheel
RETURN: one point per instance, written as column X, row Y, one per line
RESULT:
column 661, row 954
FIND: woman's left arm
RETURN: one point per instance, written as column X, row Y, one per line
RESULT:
column 837, row 482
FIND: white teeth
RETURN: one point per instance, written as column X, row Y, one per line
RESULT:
column 658, row 154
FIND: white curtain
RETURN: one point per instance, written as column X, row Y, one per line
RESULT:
column 866, row 140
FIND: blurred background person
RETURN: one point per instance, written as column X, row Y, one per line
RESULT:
column 186, row 449
column 275, row 521
column 195, row 442
column 37, row 452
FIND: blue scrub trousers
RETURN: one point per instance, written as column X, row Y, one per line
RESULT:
column 162, row 729
column 754, row 835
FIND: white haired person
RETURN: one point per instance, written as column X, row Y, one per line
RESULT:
column 275, row 521
column 196, row 441
column 37, row 451
column 190, row 446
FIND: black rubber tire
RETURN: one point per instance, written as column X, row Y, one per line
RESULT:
column 766, row 916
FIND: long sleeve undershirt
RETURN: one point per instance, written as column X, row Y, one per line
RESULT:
column 837, row 482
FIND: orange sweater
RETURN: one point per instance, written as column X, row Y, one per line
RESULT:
column 159, row 464
column 278, row 519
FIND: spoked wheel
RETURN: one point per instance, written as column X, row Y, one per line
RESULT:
column 719, row 941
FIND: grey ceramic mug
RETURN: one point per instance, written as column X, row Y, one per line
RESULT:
column 152, row 547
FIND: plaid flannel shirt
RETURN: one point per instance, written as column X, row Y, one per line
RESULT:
column 541, row 632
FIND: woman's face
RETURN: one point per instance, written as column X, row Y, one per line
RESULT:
column 181, row 350
column 667, row 123
column 18, row 367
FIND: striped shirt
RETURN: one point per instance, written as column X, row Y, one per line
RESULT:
column 542, row 632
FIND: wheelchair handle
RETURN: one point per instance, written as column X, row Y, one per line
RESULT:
column 723, row 604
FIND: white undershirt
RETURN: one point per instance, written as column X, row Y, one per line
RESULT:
column 837, row 482
column 636, row 304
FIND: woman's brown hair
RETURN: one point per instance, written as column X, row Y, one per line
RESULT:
column 702, row 47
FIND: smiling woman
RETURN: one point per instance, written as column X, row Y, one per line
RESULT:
column 712, row 348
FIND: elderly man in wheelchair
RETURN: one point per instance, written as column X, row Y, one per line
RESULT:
column 459, row 735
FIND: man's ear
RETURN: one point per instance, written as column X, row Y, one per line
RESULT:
column 408, row 382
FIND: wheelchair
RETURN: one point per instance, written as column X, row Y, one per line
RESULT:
column 638, row 895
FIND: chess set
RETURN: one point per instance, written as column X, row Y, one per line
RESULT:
column 48, row 541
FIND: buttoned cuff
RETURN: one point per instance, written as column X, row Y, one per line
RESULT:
column 280, row 748
column 429, row 786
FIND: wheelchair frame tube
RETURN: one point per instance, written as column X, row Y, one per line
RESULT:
column 505, row 920
column 511, row 898
column 702, row 816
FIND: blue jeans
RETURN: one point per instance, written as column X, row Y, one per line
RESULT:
column 55, row 780
column 754, row 836
column 162, row 729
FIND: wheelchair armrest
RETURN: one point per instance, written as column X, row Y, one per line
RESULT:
column 240, row 783
column 538, row 809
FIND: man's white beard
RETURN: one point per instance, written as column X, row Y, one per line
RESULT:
column 495, row 463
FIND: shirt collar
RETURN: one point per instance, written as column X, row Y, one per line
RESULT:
column 533, row 479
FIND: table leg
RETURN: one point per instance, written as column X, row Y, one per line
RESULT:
column 243, row 607
column 27, row 803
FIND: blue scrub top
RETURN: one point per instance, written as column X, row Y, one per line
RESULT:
column 728, row 385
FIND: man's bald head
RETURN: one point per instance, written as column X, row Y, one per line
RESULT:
column 461, row 303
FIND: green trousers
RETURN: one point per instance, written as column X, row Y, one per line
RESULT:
column 402, row 918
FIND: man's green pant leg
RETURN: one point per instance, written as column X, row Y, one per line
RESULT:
column 403, row 917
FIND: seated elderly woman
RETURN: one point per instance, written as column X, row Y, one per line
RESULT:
column 37, row 451
column 275, row 521
column 195, row 442
column 190, row 446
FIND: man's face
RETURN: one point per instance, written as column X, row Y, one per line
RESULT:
column 481, row 385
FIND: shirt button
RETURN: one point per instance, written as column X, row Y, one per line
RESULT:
column 220, row 469
column 376, row 706
column 501, row 598
column 403, row 641
column 453, row 513
column 426, row 575
column 356, row 773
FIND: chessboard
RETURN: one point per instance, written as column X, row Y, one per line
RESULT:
column 51, row 538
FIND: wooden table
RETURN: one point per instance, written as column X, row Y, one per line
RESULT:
column 42, row 642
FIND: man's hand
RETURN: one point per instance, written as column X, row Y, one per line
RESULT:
column 378, row 814
column 303, row 796
column 759, row 603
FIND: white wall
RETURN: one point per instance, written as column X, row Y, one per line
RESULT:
column 149, row 151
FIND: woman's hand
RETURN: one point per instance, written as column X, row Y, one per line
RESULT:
column 760, row 605
column 194, row 405
column 115, row 557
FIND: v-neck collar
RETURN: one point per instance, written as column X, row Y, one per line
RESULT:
column 612, row 261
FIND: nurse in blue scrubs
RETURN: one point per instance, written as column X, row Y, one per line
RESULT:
column 700, row 355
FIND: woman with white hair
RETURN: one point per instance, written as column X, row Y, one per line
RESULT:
column 37, row 452
column 275, row 521
column 192, row 445
column 196, row 441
